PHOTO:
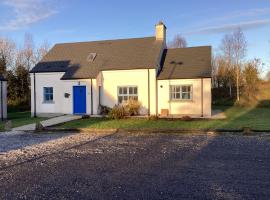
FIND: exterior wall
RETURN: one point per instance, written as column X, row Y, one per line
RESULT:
column 186, row 107
column 60, row 87
column 111, row 80
column 4, row 99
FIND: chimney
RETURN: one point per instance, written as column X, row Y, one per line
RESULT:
column 161, row 31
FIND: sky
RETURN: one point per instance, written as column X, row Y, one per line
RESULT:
column 201, row 22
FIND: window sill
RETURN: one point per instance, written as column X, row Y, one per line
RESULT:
column 180, row 100
column 48, row 102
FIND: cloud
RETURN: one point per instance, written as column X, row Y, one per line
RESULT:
column 247, row 25
column 244, row 13
column 26, row 12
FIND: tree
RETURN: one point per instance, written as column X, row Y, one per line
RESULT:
column 7, row 50
column 226, row 48
column 239, row 50
column 233, row 48
column 42, row 51
column 28, row 51
column 268, row 76
column 251, row 78
column 178, row 42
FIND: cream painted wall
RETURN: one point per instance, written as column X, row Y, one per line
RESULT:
column 4, row 93
column 192, row 107
column 111, row 80
column 60, row 87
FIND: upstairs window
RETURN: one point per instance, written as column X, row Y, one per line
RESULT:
column 127, row 92
column 181, row 92
column 48, row 94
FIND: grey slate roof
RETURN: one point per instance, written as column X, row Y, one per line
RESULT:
column 72, row 58
column 184, row 63
column 2, row 78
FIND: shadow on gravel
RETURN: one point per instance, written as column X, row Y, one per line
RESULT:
column 148, row 166
column 19, row 140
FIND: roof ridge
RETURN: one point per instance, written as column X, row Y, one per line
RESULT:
column 176, row 48
column 96, row 41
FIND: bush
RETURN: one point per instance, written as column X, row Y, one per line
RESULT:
column 117, row 112
column 153, row 117
column 186, row 118
column 132, row 107
column 104, row 110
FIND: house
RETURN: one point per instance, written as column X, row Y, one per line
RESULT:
column 75, row 78
column 3, row 97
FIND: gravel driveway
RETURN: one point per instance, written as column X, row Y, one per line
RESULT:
column 146, row 166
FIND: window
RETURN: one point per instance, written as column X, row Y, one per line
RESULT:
column 181, row 92
column 48, row 94
column 126, row 93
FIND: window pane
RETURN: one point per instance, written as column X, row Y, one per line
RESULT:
column 120, row 90
column 130, row 90
column 120, row 99
column 177, row 95
column 185, row 95
column 124, row 90
column 177, row 89
column 185, row 88
column 135, row 90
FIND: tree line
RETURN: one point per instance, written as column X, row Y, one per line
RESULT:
column 15, row 64
column 234, row 78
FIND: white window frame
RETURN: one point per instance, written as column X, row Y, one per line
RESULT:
column 173, row 93
column 49, row 93
column 128, row 95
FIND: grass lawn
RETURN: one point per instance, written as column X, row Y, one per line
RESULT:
column 20, row 119
column 237, row 118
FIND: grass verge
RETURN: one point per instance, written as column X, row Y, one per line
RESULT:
column 20, row 119
column 237, row 118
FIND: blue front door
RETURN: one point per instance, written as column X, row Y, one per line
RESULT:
column 79, row 99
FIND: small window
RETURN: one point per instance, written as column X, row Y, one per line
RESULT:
column 181, row 92
column 126, row 93
column 48, row 94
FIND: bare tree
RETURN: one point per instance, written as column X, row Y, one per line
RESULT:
column 233, row 48
column 42, row 51
column 268, row 76
column 7, row 51
column 178, row 42
column 28, row 51
column 239, row 51
column 226, row 48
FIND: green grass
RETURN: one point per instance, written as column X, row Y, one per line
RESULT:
column 237, row 118
column 20, row 119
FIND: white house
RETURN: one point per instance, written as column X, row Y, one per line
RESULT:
column 3, row 98
column 75, row 78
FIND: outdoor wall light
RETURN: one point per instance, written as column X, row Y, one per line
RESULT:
column 66, row 95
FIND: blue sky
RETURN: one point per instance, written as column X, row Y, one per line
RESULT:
column 200, row 22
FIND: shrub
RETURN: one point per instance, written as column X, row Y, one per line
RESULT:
column 117, row 112
column 104, row 110
column 132, row 107
column 186, row 118
column 153, row 117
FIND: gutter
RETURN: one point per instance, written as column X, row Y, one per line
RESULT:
column 148, row 93
column 35, row 111
column 202, row 96
column 91, row 96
